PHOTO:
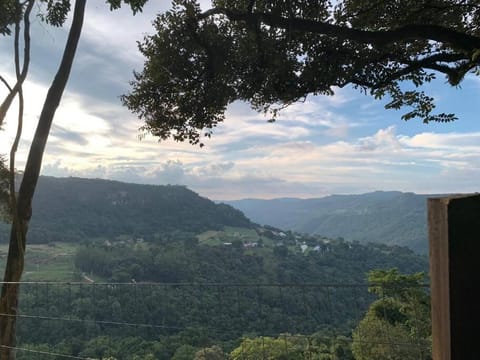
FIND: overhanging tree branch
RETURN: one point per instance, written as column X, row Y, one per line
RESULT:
column 410, row 32
column 272, row 54
column 433, row 62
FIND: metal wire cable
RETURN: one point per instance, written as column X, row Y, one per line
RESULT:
column 310, row 297
column 47, row 353
column 216, row 284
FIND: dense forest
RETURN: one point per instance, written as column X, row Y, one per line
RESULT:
column 274, row 256
column 158, row 272
column 175, row 297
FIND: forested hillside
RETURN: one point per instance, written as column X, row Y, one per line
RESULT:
column 261, row 256
column 392, row 217
column 160, row 300
column 158, row 272
column 73, row 209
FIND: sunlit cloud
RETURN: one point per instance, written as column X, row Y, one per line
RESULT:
column 464, row 141
column 383, row 139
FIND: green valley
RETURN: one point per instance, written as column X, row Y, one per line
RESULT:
column 147, row 272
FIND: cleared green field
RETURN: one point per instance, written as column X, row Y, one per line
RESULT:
column 230, row 234
column 55, row 261
column 52, row 262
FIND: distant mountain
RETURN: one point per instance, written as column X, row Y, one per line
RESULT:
column 73, row 209
column 391, row 217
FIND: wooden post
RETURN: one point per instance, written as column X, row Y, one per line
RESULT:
column 454, row 236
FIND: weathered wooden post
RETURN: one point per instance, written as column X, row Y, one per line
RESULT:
column 454, row 236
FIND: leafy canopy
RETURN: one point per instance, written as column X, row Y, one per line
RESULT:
column 274, row 53
column 397, row 325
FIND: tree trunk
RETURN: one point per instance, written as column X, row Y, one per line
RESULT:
column 16, row 251
column 10, row 289
column 21, row 76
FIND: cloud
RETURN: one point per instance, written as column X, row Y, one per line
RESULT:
column 211, row 170
column 64, row 135
column 451, row 140
column 321, row 114
column 384, row 160
column 207, row 181
column 170, row 172
column 383, row 139
column 117, row 32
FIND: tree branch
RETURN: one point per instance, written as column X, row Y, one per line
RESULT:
column 2, row 79
column 13, row 150
column 26, row 61
column 430, row 62
column 405, row 33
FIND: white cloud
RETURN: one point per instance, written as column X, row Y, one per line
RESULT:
column 383, row 139
column 470, row 141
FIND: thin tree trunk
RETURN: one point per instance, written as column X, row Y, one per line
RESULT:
column 16, row 251
column 26, row 62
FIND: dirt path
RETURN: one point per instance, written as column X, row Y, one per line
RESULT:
column 85, row 277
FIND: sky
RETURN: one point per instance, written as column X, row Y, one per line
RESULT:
column 342, row 144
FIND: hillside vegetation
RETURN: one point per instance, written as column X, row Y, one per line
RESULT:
column 158, row 272
column 392, row 217
column 213, row 289
column 73, row 209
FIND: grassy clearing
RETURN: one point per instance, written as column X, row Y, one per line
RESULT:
column 230, row 234
column 55, row 261
column 52, row 262
column 210, row 238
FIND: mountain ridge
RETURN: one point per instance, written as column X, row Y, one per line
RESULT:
column 391, row 217
column 74, row 209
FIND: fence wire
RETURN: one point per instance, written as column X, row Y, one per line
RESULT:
column 259, row 321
